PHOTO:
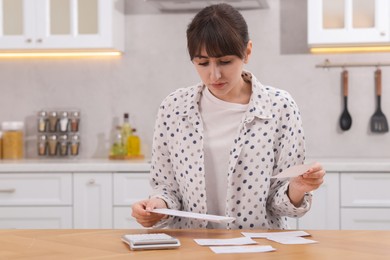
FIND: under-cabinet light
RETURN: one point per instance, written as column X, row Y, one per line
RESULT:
column 319, row 50
column 59, row 54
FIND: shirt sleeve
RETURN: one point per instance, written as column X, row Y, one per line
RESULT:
column 289, row 151
column 162, row 175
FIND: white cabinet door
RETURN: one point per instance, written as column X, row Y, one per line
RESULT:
column 325, row 210
column 365, row 219
column 365, row 190
column 92, row 200
column 36, row 217
column 61, row 24
column 340, row 22
column 124, row 220
column 32, row 189
column 130, row 188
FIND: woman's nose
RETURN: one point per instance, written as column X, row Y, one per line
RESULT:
column 215, row 73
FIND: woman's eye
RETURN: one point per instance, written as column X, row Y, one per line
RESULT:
column 203, row 63
column 223, row 62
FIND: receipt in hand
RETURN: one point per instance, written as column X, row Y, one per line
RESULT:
column 293, row 171
column 186, row 214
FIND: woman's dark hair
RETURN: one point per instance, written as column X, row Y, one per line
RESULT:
column 219, row 28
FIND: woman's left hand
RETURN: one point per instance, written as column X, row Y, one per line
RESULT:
column 309, row 181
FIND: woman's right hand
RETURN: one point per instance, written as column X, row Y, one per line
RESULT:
column 143, row 216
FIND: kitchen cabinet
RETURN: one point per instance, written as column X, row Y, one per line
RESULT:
column 325, row 210
column 365, row 201
column 61, row 25
column 128, row 188
column 36, row 200
column 92, row 200
column 348, row 22
column 82, row 200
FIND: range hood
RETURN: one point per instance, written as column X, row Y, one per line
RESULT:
column 195, row 5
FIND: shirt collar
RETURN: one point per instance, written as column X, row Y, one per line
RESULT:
column 260, row 104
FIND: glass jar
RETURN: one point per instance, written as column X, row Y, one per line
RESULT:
column 42, row 145
column 75, row 121
column 64, row 121
column 13, row 144
column 63, row 145
column 53, row 121
column 75, row 145
column 42, row 121
column 53, row 144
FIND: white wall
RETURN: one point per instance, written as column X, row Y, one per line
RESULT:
column 156, row 63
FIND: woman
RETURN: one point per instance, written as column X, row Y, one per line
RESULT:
column 217, row 144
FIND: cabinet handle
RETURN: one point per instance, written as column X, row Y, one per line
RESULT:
column 383, row 33
column 91, row 181
column 39, row 40
column 28, row 40
column 8, row 190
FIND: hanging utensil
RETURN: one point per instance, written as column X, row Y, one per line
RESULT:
column 378, row 119
column 345, row 118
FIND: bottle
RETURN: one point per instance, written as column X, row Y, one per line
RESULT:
column 13, row 144
column 117, row 148
column 126, row 132
column 1, row 145
column 133, row 144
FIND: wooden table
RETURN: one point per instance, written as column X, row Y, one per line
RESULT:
column 107, row 244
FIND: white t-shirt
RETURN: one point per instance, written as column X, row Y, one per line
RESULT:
column 221, row 120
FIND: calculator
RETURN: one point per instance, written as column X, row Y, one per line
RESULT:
column 150, row 241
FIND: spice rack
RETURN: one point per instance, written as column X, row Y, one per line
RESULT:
column 58, row 133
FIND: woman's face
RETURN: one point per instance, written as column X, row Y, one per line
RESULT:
column 221, row 75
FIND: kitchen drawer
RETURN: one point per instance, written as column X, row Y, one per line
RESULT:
column 124, row 220
column 365, row 219
column 365, row 190
column 130, row 188
column 35, row 217
column 35, row 189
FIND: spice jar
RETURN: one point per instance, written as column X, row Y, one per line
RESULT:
column 63, row 145
column 53, row 120
column 42, row 121
column 42, row 145
column 53, row 145
column 75, row 121
column 13, row 144
column 64, row 121
column 75, row 145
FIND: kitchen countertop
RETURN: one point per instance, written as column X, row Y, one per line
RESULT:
column 74, row 165
column 105, row 165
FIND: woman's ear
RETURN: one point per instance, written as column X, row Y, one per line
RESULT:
column 248, row 51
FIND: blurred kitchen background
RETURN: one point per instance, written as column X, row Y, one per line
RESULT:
column 155, row 62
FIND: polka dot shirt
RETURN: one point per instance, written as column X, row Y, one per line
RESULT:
column 270, row 140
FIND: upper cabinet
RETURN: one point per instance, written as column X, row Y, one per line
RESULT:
column 61, row 25
column 348, row 22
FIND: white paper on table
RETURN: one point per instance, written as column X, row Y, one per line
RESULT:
column 293, row 171
column 276, row 234
column 226, row 241
column 241, row 249
column 292, row 240
column 186, row 214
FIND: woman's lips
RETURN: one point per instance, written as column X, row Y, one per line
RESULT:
column 218, row 85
